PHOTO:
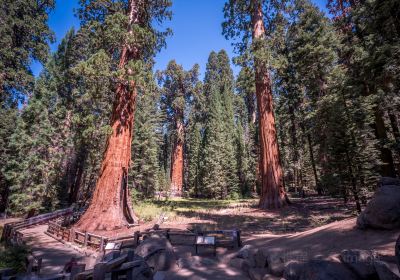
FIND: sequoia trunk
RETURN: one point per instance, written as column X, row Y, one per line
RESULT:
column 177, row 161
column 272, row 186
column 110, row 206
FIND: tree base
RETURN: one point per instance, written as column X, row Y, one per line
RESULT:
column 93, row 221
column 273, row 203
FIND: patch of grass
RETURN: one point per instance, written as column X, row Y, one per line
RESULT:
column 149, row 210
column 13, row 257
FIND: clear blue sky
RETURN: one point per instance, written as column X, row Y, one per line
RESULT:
column 196, row 25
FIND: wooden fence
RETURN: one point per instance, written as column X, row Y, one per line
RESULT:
column 84, row 239
column 11, row 231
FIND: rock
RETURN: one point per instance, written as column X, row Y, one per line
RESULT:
column 293, row 270
column 245, row 252
column 257, row 273
column 276, row 266
column 271, row 260
column 386, row 181
column 326, row 270
column 160, row 275
column 397, row 252
column 260, row 258
column 271, row 277
column 167, row 275
column 142, row 272
column 157, row 252
column 242, row 264
column 384, row 271
column 383, row 210
column 360, row 261
column 196, row 261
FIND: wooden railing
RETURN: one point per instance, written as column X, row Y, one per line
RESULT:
column 11, row 231
column 84, row 239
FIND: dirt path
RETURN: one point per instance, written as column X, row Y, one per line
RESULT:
column 54, row 254
column 328, row 240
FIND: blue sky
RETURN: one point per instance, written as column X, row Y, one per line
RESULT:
column 196, row 25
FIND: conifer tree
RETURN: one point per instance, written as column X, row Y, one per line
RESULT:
column 146, row 169
column 247, row 130
column 220, row 178
column 24, row 36
column 245, row 19
column 177, row 88
column 313, row 93
column 128, row 29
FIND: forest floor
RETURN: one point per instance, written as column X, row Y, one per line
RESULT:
column 301, row 215
column 311, row 227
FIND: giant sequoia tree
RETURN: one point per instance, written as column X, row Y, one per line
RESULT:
column 110, row 207
column 178, row 85
column 246, row 19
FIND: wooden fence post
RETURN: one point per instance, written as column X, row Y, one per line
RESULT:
column 101, row 244
column 85, row 242
column 99, row 271
column 72, row 235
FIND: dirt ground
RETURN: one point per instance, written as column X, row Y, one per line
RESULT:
column 307, row 228
column 301, row 215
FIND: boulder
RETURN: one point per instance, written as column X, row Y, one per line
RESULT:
column 384, row 271
column 141, row 272
column 276, row 265
column 397, row 252
column 326, row 270
column 245, row 252
column 387, row 181
column 196, row 261
column 241, row 264
column 264, row 258
column 260, row 258
column 271, row 277
column 383, row 210
column 257, row 273
column 360, row 261
column 293, row 269
column 158, row 252
column 168, row 275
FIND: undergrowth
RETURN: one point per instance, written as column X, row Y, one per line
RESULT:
column 13, row 257
column 149, row 210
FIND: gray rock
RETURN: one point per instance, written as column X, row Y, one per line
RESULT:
column 242, row 264
column 293, row 270
column 385, row 181
column 245, row 252
column 264, row 258
column 168, row 275
column 257, row 273
column 276, row 265
column 360, row 261
column 383, row 210
column 397, row 252
column 157, row 252
column 326, row 270
column 195, row 261
column 384, row 271
column 271, row 277
column 260, row 258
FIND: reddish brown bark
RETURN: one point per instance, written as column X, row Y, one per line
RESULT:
column 177, row 162
column 110, row 206
column 272, row 186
